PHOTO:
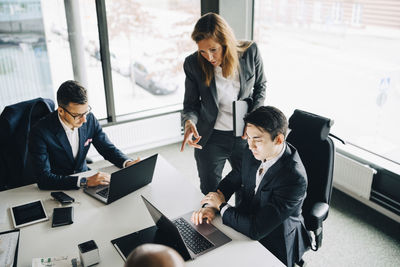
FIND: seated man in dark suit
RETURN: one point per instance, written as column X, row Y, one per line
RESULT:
column 59, row 143
column 271, row 186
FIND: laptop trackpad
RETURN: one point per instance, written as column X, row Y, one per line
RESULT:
column 205, row 229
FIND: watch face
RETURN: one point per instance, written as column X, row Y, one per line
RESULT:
column 83, row 181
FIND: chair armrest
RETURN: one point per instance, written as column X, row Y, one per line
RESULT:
column 317, row 215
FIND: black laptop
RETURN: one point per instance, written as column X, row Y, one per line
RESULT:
column 181, row 234
column 125, row 181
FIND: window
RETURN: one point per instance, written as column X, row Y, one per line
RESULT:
column 338, row 59
column 24, row 60
column 35, row 55
column 149, row 41
column 60, row 55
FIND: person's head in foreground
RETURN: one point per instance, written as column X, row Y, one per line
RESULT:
column 266, row 129
column 152, row 255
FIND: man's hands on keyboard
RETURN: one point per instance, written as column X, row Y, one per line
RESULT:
column 195, row 241
column 206, row 214
column 100, row 178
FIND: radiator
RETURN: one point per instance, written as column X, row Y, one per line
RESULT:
column 353, row 176
column 143, row 134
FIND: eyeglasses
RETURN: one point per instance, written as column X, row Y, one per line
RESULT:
column 77, row 116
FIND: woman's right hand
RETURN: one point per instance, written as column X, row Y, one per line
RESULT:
column 190, row 132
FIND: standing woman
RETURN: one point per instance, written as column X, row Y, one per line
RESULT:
column 221, row 71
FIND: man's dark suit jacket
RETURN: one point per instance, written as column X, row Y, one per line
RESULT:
column 200, row 104
column 51, row 151
column 16, row 122
column 273, row 214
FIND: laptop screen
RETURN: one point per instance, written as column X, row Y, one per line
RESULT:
column 166, row 226
column 129, row 179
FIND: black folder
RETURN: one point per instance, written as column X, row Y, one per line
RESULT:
column 16, row 249
column 126, row 244
column 63, row 216
column 240, row 109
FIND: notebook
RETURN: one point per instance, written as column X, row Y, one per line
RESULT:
column 9, row 243
column 189, row 240
column 125, row 181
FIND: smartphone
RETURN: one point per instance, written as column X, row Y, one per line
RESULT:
column 62, row 197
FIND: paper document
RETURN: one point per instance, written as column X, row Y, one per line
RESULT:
column 8, row 246
column 62, row 261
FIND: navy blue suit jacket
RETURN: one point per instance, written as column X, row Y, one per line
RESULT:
column 51, row 152
column 16, row 122
column 273, row 214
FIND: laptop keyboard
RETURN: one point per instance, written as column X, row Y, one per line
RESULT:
column 195, row 241
column 103, row 192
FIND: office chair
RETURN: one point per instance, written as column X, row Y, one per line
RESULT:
column 15, row 124
column 310, row 136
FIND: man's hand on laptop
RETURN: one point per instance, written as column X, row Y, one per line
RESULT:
column 100, row 178
column 206, row 214
column 129, row 163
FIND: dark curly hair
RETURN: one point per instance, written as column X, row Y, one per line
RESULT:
column 71, row 91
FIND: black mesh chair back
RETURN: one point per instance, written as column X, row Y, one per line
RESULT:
column 310, row 136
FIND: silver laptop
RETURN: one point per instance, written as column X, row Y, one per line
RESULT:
column 125, row 181
column 193, row 240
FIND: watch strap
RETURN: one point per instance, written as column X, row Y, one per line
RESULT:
column 223, row 204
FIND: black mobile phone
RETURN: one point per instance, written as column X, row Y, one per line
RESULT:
column 62, row 197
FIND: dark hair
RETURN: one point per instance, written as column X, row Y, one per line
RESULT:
column 71, row 91
column 269, row 119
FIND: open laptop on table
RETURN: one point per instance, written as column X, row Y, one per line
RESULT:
column 125, row 181
column 181, row 234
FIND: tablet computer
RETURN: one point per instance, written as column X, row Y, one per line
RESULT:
column 28, row 213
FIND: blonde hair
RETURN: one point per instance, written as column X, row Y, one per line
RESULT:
column 213, row 26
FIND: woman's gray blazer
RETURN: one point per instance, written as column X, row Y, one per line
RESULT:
column 200, row 104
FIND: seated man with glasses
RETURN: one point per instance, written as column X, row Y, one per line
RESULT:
column 59, row 143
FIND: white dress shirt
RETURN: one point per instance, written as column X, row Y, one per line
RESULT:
column 227, row 92
column 264, row 166
column 73, row 137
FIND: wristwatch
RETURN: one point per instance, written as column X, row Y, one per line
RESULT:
column 83, row 182
column 222, row 205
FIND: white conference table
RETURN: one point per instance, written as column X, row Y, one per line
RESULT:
column 169, row 192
